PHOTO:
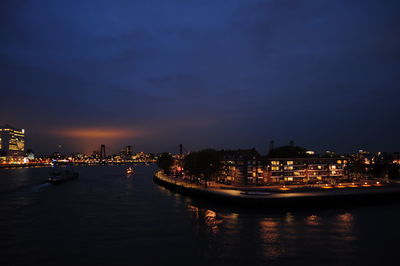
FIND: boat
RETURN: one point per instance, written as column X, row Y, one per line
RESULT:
column 129, row 171
column 255, row 193
column 57, row 176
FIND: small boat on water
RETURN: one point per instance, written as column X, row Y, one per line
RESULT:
column 57, row 176
column 130, row 171
column 255, row 193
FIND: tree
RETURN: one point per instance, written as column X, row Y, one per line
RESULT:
column 203, row 164
column 356, row 169
column 287, row 152
column 165, row 162
column 190, row 164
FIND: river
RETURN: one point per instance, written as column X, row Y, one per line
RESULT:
column 108, row 218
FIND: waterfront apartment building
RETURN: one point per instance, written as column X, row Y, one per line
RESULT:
column 305, row 170
column 248, row 167
column 241, row 167
column 12, row 143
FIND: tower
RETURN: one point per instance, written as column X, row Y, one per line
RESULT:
column 271, row 145
column 102, row 152
column 128, row 151
column 12, row 142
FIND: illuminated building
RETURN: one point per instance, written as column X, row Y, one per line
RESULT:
column 305, row 169
column 126, row 153
column 12, row 143
column 241, row 167
column 248, row 167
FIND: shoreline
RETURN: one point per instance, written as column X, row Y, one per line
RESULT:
column 24, row 165
column 243, row 196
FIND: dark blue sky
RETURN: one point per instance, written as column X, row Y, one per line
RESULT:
column 210, row 73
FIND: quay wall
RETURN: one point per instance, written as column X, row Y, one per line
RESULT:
column 322, row 199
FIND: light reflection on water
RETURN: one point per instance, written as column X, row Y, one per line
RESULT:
column 278, row 236
column 270, row 235
column 112, row 219
column 313, row 220
column 344, row 226
column 208, row 217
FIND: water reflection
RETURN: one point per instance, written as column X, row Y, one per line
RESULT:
column 208, row 217
column 93, row 215
column 289, row 218
column 344, row 226
column 313, row 220
column 269, row 230
column 276, row 236
column 270, row 234
column 346, row 218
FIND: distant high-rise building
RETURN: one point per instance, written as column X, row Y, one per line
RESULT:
column 128, row 151
column 102, row 151
column 12, row 142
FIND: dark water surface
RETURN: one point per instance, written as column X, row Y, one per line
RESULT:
column 107, row 218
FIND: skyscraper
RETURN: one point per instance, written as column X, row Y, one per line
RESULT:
column 12, row 142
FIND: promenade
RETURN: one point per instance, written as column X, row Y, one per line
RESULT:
column 343, row 191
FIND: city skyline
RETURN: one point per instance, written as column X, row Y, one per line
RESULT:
column 199, row 132
column 233, row 74
column 115, row 150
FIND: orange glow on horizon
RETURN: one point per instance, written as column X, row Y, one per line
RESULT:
column 88, row 139
column 108, row 133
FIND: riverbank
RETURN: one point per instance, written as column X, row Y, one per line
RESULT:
column 33, row 165
column 280, row 196
column 24, row 165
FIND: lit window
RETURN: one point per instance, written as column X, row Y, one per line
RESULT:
column 289, row 162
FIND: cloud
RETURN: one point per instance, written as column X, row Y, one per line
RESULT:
column 96, row 133
column 227, row 72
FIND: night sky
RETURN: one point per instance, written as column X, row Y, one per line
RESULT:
column 205, row 73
